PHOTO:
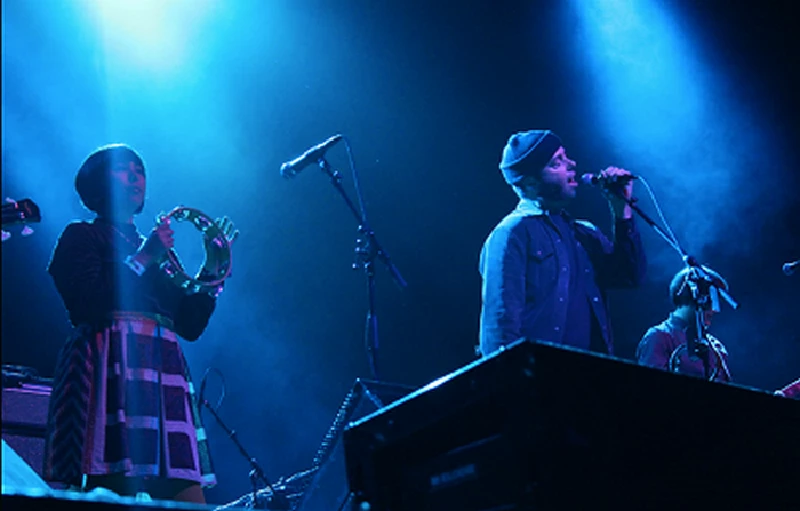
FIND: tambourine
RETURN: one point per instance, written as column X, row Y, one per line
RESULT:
column 218, row 242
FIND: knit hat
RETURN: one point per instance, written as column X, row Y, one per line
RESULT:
column 526, row 153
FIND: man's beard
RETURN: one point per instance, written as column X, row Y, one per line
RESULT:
column 553, row 194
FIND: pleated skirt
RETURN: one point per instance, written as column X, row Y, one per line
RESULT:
column 123, row 403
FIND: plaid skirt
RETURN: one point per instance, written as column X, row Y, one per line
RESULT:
column 123, row 402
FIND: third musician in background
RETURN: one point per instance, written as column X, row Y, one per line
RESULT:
column 545, row 274
column 664, row 346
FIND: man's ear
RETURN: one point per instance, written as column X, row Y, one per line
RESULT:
column 529, row 183
column 532, row 180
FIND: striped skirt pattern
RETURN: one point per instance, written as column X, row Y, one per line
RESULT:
column 123, row 402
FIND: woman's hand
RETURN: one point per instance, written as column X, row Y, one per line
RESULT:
column 160, row 240
column 155, row 247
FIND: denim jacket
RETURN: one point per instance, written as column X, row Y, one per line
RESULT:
column 526, row 275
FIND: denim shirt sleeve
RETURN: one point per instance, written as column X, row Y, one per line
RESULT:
column 502, row 265
column 621, row 264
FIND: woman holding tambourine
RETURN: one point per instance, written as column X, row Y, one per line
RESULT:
column 123, row 415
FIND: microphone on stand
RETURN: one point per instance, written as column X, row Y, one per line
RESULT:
column 597, row 179
column 312, row 155
column 790, row 268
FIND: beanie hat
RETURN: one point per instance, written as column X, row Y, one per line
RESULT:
column 526, row 153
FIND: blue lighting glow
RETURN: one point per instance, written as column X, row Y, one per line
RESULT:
column 669, row 112
column 153, row 34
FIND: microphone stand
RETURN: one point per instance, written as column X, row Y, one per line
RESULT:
column 367, row 250
column 277, row 501
column 697, row 344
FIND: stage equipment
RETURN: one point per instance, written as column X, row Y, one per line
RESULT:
column 26, row 397
column 537, row 426
column 326, row 488
column 22, row 212
column 697, row 345
column 273, row 496
column 367, row 246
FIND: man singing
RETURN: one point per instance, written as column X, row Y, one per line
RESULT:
column 544, row 273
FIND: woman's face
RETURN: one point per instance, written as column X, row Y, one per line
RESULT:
column 127, row 185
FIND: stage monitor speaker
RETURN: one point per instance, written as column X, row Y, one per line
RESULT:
column 540, row 426
column 25, row 421
column 326, row 488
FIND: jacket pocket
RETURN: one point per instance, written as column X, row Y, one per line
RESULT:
column 540, row 275
column 539, row 255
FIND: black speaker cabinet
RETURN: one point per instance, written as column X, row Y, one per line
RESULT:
column 538, row 426
column 25, row 421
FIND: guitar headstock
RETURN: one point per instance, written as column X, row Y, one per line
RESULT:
column 23, row 212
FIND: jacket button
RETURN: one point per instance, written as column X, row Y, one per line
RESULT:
column 595, row 299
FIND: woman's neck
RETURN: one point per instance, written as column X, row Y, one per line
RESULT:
column 116, row 219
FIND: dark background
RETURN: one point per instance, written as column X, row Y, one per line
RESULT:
column 427, row 94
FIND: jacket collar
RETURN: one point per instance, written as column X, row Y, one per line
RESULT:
column 533, row 207
column 530, row 207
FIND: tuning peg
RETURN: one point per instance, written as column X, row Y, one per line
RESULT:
column 27, row 231
column 6, row 235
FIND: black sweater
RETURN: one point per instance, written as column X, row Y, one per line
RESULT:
column 93, row 280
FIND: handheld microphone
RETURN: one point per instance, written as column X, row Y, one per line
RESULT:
column 790, row 268
column 597, row 179
column 312, row 155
